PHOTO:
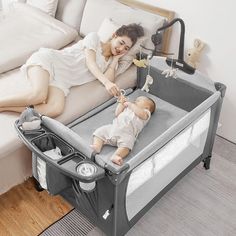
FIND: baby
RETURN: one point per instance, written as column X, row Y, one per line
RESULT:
column 130, row 119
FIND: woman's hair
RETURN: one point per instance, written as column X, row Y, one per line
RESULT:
column 133, row 31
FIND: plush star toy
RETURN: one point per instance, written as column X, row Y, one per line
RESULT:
column 140, row 63
column 30, row 119
column 170, row 72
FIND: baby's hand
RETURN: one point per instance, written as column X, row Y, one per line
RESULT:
column 117, row 160
column 122, row 99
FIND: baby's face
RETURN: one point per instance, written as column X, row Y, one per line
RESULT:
column 143, row 102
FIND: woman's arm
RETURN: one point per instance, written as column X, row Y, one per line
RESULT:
column 110, row 72
column 94, row 69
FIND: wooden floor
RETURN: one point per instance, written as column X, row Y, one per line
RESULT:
column 197, row 211
column 26, row 212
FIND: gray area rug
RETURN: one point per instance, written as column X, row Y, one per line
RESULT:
column 203, row 203
column 72, row 224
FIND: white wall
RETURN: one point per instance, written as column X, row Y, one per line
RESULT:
column 212, row 22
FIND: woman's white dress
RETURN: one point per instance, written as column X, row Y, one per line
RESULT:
column 68, row 67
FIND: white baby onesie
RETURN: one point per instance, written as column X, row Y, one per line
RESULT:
column 124, row 129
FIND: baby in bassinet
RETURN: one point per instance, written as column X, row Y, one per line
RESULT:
column 130, row 119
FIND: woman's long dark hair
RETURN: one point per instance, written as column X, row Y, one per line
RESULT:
column 133, row 31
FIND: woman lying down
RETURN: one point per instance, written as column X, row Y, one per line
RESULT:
column 51, row 73
column 130, row 119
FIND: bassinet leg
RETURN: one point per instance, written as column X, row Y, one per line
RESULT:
column 207, row 161
column 38, row 186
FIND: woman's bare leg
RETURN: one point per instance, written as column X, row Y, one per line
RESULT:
column 36, row 94
column 53, row 106
column 119, row 155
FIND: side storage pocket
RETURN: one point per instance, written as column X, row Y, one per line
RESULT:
column 87, row 202
column 48, row 176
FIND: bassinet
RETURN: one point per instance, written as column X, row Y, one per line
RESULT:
column 179, row 136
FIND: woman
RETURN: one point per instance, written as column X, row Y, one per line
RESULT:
column 52, row 73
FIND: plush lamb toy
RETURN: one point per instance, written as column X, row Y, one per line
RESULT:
column 30, row 119
column 193, row 54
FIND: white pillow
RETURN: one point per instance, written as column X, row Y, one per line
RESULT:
column 105, row 31
column 48, row 6
column 120, row 13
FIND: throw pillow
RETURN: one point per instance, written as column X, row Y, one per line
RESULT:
column 48, row 6
column 6, row 4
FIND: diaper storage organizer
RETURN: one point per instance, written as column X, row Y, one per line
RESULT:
column 179, row 135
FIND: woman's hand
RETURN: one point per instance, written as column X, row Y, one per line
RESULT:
column 117, row 57
column 112, row 88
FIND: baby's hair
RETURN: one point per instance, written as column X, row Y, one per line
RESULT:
column 133, row 31
column 152, row 105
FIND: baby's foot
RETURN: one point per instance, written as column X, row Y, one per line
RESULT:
column 118, row 160
column 95, row 148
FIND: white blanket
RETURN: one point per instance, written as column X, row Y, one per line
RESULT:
column 24, row 29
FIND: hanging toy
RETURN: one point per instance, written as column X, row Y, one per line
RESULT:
column 149, row 79
column 140, row 63
column 172, row 72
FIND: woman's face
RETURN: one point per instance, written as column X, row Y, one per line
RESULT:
column 120, row 45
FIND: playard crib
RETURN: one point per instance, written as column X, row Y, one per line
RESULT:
column 179, row 136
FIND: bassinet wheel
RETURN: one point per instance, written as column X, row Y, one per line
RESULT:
column 207, row 163
column 37, row 186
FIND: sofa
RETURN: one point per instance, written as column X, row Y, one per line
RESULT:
column 82, row 16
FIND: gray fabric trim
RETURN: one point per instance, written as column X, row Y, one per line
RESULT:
column 173, row 131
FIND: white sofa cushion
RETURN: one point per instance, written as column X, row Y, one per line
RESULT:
column 70, row 12
column 17, row 37
column 6, row 4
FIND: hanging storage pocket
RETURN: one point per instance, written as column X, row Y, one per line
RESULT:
column 47, row 175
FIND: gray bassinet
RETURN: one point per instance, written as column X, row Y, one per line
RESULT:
column 179, row 136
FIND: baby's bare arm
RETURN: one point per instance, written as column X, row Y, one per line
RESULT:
column 140, row 112
column 120, row 108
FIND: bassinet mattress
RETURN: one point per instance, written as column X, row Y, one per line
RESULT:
column 24, row 29
column 162, row 119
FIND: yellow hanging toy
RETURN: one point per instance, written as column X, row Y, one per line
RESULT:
column 140, row 63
